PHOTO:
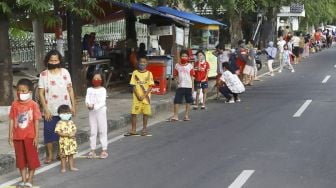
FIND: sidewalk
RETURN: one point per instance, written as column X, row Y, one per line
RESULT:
column 118, row 117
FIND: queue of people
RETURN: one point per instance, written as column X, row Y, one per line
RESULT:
column 236, row 68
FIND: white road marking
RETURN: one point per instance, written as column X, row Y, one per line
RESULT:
column 241, row 179
column 53, row 165
column 334, row 66
column 326, row 79
column 302, row 108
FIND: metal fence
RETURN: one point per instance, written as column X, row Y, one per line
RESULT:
column 23, row 49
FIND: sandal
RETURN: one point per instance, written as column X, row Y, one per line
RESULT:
column 27, row 184
column 91, row 155
column 172, row 119
column 21, row 184
column 47, row 161
column 203, row 107
column 131, row 134
column 186, row 119
column 104, row 155
column 195, row 107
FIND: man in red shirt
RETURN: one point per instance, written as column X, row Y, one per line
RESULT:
column 201, row 68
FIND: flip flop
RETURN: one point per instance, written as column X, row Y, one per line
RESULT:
column 186, row 119
column 131, row 134
column 172, row 120
column 46, row 161
column 202, row 107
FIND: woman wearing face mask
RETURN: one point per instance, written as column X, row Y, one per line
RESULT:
column 55, row 89
column 95, row 101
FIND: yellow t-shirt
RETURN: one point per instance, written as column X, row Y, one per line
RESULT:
column 142, row 81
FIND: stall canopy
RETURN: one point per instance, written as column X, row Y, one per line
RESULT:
column 188, row 16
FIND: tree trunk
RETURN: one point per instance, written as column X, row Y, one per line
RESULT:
column 39, row 44
column 77, row 70
column 235, row 29
column 162, row 2
column 6, row 74
column 268, row 28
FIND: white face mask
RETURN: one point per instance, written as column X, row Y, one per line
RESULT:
column 24, row 96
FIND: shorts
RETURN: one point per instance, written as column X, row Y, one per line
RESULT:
column 296, row 51
column 139, row 107
column 183, row 92
column 49, row 130
column 249, row 70
column 26, row 154
column 200, row 85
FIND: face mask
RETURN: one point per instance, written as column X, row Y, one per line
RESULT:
column 53, row 66
column 23, row 96
column 65, row 117
column 184, row 60
column 142, row 67
column 96, row 83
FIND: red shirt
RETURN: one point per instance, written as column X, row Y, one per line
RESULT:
column 24, row 116
column 201, row 70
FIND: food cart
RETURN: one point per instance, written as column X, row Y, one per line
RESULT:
column 206, row 37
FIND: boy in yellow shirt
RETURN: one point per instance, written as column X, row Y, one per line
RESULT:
column 142, row 83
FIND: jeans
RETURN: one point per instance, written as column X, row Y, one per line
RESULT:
column 226, row 92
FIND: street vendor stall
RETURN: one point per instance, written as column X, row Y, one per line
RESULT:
column 206, row 37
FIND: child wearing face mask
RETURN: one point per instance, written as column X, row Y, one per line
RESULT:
column 66, row 129
column 95, row 101
column 24, row 133
column 142, row 83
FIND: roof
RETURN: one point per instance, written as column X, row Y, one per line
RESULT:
column 188, row 16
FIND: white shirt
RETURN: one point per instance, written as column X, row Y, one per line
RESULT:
column 96, row 97
column 55, row 89
column 296, row 41
column 233, row 82
column 184, row 73
column 221, row 58
column 281, row 44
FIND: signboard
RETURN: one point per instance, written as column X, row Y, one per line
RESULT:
column 212, row 60
column 161, row 30
column 179, row 36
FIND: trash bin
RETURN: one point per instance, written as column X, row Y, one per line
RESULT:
column 158, row 69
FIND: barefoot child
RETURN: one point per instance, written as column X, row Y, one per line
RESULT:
column 24, row 133
column 142, row 83
column 96, row 102
column 66, row 129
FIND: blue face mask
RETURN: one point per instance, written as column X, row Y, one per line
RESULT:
column 65, row 117
column 142, row 67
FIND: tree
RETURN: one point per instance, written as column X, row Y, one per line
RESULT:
column 6, row 75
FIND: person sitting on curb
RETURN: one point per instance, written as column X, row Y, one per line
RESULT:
column 142, row 83
column 230, row 84
column 184, row 75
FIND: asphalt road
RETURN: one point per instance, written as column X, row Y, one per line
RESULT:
column 269, row 140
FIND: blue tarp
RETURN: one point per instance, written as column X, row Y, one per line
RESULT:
column 188, row 16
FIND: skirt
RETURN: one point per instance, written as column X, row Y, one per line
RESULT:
column 49, row 130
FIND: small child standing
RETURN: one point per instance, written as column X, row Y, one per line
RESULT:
column 23, row 131
column 66, row 129
column 142, row 83
column 201, row 69
column 286, row 58
column 95, row 101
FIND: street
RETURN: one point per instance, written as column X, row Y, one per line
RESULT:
column 282, row 135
